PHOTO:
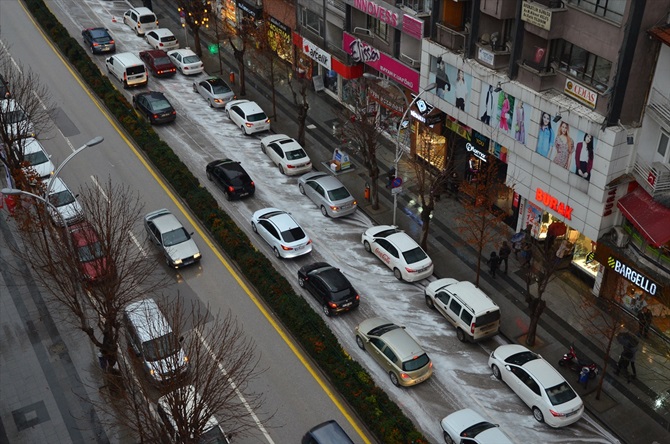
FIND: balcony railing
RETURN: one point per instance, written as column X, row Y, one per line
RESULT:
column 450, row 38
column 654, row 177
column 659, row 107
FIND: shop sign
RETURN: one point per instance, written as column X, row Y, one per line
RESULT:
column 632, row 275
column 386, row 101
column 583, row 94
column 385, row 64
column 480, row 141
column 478, row 154
column 314, row 52
column 251, row 10
column 430, row 119
column 486, row 56
column 550, row 201
column 380, row 10
column 280, row 27
column 412, row 26
column 536, row 15
column 459, row 128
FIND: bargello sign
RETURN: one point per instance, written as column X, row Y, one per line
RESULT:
column 632, row 275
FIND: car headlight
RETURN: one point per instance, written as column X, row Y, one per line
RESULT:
column 178, row 261
column 197, row 256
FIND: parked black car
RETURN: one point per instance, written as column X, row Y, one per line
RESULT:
column 232, row 178
column 155, row 107
column 98, row 40
column 329, row 286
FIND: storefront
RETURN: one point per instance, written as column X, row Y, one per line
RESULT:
column 279, row 36
column 633, row 286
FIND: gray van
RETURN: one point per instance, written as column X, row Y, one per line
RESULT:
column 150, row 336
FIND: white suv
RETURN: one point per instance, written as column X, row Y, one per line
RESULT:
column 140, row 20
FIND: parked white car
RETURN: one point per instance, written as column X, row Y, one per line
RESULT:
column 247, row 116
column 186, row 61
column 538, row 384
column 469, row 427
column 39, row 160
column 287, row 154
column 65, row 208
column 140, row 20
column 162, row 38
column 284, row 235
column 399, row 252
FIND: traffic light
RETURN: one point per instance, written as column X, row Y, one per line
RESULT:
column 213, row 48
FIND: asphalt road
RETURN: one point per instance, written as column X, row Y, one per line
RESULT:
column 78, row 118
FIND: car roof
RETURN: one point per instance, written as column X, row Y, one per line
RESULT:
column 183, row 51
column 474, row 297
column 327, row 181
column 142, row 10
column 281, row 220
column 284, row 141
column 154, row 95
column 98, row 31
column 162, row 32
column 227, row 164
column 333, row 277
column 154, row 53
column 83, row 233
column 402, row 343
column 58, row 185
column 329, row 432
column 148, row 319
column 165, row 221
column 32, row 145
column 544, row 372
column 250, row 107
column 190, row 395
column 402, row 241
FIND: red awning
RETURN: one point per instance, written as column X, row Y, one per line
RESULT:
column 650, row 218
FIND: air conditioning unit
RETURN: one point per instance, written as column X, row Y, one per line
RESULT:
column 410, row 61
column 619, row 236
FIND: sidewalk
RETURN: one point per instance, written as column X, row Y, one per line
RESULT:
column 638, row 412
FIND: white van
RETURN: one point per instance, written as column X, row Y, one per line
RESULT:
column 140, row 20
column 128, row 68
column 150, row 336
column 470, row 310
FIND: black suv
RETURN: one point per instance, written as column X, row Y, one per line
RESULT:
column 155, row 107
column 329, row 286
column 232, row 178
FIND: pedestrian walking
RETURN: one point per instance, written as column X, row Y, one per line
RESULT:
column 644, row 317
column 494, row 263
column 628, row 355
column 504, row 253
column 390, row 176
column 526, row 254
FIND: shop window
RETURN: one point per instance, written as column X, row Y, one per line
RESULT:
column 581, row 64
column 378, row 28
column 416, row 5
column 311, row 21
column 610, row 9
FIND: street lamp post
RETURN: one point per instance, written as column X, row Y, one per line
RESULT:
column 92, row 142
column 398, row 151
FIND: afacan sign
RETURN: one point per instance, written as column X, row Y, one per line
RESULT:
column 314, row 52
column 632, row 275
column 583, row 94
column 554, row 204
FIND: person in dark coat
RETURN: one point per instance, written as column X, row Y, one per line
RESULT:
column 644, row 317
column 494, row 263
column 504, row 253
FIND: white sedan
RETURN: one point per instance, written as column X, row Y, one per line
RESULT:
column 248, row 116
column 287, row 154
column 186, row 61
column 538, row 384
column 399, row 252
column 469, row 427
column 281, row 232
column 162, row 38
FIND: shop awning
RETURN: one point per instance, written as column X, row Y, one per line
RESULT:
column 649, row 217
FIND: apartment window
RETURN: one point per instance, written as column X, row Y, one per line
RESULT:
column 311, row 21
column 581, row 64
column 378, row 28
column 663, row 144
column 610, row 9
column 415, row 5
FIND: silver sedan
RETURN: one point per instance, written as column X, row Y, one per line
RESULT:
column 328, row 194
column 215, row 90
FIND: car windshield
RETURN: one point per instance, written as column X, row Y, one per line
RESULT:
column 213, row 436
column 257, row 117
column 295, row 154
column 168, row 38
column 292, row 235
column 61, row 198
column 175, row 237
column 160, row 105
column 476, row 429
column 220, row 88
column 100, row 35
column 147, row 18
column 36, row 158
column 416, row 363
column 380, row 330
column 90, row 252
column 134, row 70
column 237, row 178
column 191, row 59
column 160, row 348
column 521, row 358
column 414, row 255
column 561, row 393
column 15, row 116
column 338, row 194
column 162, row 61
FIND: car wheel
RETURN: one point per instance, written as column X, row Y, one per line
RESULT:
column 209, row 175
column 394, row 379
column 496, row 371
column 229, row 196
column 324, row 211
column 460, row 334
column 281, row 169
column 125, row 85
column 228, row 114
column 167, row 261
column 253, row 227
column 366, row 245
column 276, row 252
column 92, row 50
column 359, row 342
column 244, row 132
column 301, row 282
column 537, row 414
column 326, row 310
column 301, row 189
column 430, row 303
column 448, row 439
column 397, row 274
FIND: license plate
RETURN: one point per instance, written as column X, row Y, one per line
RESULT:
column 422, row 270
column 347, row 304
column 299, row 248
column 187, row 261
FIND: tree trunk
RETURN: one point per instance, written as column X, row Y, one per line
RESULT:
column 536, row 307
column 374, row 188
column 425, row 219
column 239, row 58
column 607, row 355
column 196, row 41
column 303, row 110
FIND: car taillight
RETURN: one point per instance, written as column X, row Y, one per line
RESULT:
column 332, row 304
column 556, row 414
column 309, row 241
column 267, row 120
column 160, row 44
column 404, row 375
column 111, row 42
column 248, row 125
column 252, row 184
column 472, row 327
column 96, row 44
column 155, row 116
column 285, row 248
column 174, row 113
column 358, row 297
column 291, row 166
column 430, row 364
column 410, row 270
column 231, row 189
column 334, row 208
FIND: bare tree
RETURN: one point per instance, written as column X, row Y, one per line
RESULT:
column 196, row 16
column 362, row 127
column 25, row 114
column 431, row 181
column 242, row 37
column 122, row 272
column 222, row 366
column 479, row 219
